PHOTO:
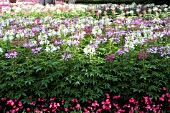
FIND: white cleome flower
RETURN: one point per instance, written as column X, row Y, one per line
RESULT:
column 5, row 38
column 89, row 50
column 96, row 30
column 1, row 50
column 51, row 48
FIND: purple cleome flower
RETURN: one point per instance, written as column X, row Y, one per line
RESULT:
column 36, row 50
column 163, row 51
column 66, row 56
column 12, row 54
column 123, row 51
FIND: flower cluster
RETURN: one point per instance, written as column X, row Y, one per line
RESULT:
column 110, row 57
column 36, row 50
column 111, row 103
column 122, row 51
column 66, row 56
column 11, row 54
column 88, row 34
column 163, row 51
column 142, row 55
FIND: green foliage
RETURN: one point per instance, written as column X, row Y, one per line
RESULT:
column 46, row 75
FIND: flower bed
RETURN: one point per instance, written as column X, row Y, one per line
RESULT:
column 84, row 52
column 109, row 103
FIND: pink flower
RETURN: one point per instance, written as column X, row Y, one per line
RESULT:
column 37, row 20
column 164, row 88
column 148, row 107
column 145, row 97
column 120, row 111
column 88, row 28
column 104, row 107
column 14, row 106
column 32, row 103
column 66, row 109
column 99, row 111
column 78, row 106
column 19, row 103
column 17, row 109
column 110, row 57
column 161, row 98
column 74, row 100
column 97, row 14
column 89, row 107
column 145, row 54
column 10, row 102
column 71, row 108
column 95, row 104
column 107, row 96
column 116, row 105
column 127, row 105
column 107, row 101
column 86, row 111
column 132, row 100
column 53, row 98
column 12, row 111
column 45, row 109
column 116, row 97
column 3, row 99
column 28, row 109
column 51, row 105
column 140, row 56
column 107, row 58
column 89, row 101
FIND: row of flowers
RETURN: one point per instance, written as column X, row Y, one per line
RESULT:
column 85, row 34
column 110, row 103
column 63, row 8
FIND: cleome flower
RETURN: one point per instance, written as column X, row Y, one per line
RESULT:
column 1, row 50
column 89, row 50
column 11, row 54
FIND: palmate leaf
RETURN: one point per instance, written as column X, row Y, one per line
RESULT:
column 45, row 82
column 40, row 93
column 152, row 87
column 29, row 80
column 106, row 85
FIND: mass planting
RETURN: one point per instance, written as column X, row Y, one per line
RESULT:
column 63, row 58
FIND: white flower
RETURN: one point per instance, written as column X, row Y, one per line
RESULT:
column 131, row 12
column 89, row 50
column 1, row 50
column 155, row 9
column 63, row 30
column 58, row 11
column 11, row 38
column 51, row 48
column 47, row 49
column 166, row 9
column 96, row 30
column 49, row 34
column 72, row 29
column 99, row 11
column 5, row 38
column 17, row 35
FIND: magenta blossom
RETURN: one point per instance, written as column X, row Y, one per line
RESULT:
column 110, row 57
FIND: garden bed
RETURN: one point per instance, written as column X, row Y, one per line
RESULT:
column 79, row 53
